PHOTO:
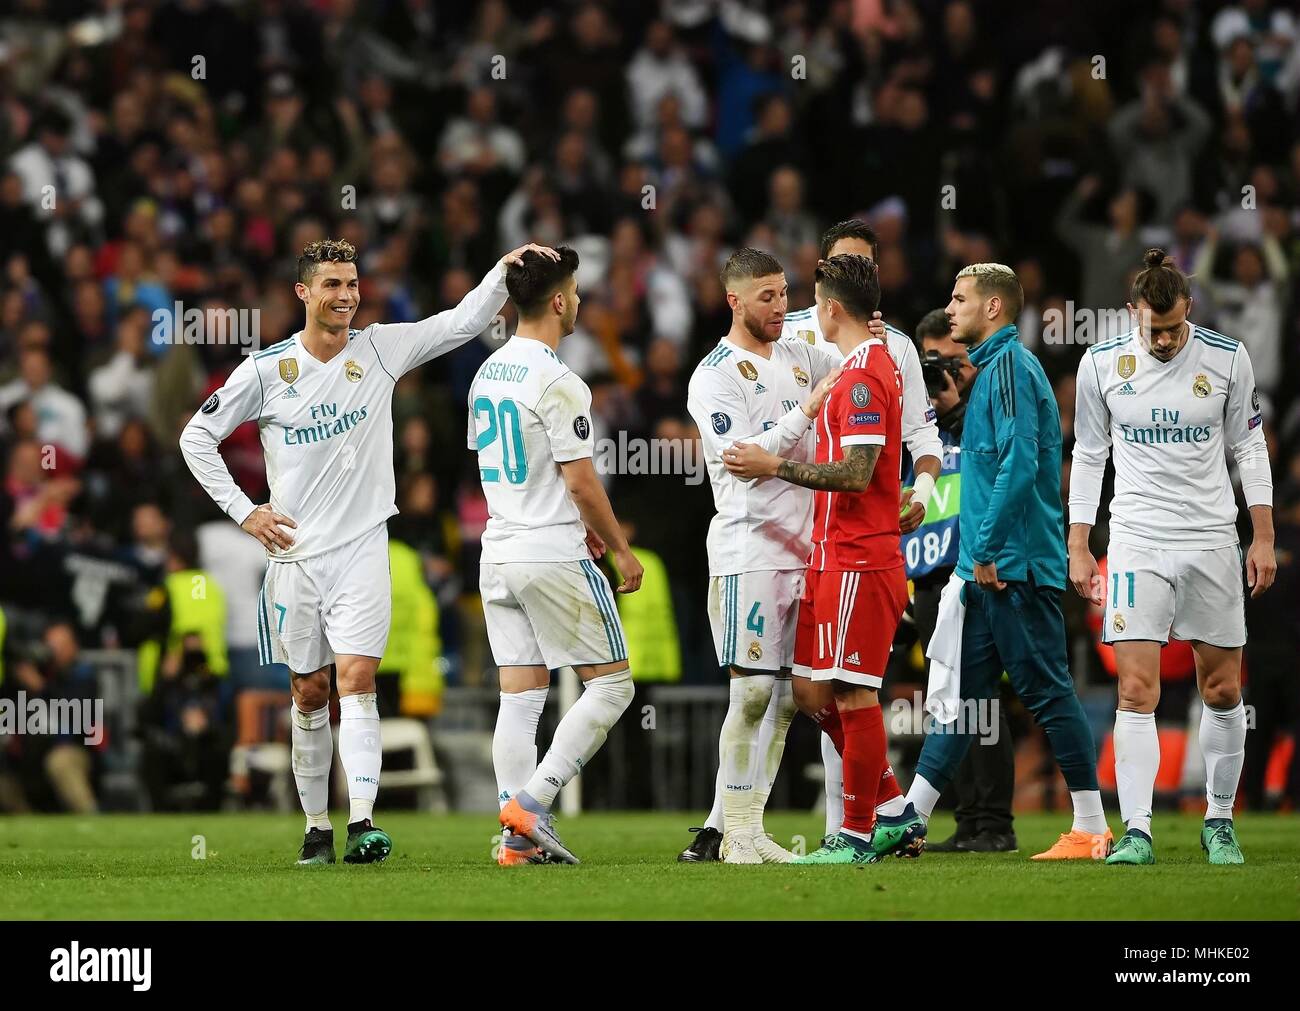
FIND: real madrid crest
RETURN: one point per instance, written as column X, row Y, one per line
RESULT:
column 1118, row 624
column 747, row 370
column 1201, row 385
column 1126, row 366
column 808, row 335
column 353, row 371
column 755, row 652
column 800, row 376
column 288, row 369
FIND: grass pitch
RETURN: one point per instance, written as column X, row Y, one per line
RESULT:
column 148, row 866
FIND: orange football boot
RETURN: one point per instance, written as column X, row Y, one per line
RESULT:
column 1079, row 846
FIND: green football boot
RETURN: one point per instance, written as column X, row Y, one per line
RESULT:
column 317, row 847
column 903, row 835
column 366, row 844
column 1134, row 847
column 1219, row 840
column 840, row 849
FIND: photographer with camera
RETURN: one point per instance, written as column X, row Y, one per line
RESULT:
column 986, row 780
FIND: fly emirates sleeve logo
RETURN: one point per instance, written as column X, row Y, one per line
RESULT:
column 326, row 422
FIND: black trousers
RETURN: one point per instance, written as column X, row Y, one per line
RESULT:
column 985, row 782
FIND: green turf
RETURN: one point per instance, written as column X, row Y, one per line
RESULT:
column 142, row 866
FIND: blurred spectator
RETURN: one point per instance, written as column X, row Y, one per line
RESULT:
column 1107, row 252
column 60, row 416
column 57, row 183
column 123, row 387
column 1250, row 307
column 659, row 68
column 1156, row 138
column 186, row 736
column 55, row 767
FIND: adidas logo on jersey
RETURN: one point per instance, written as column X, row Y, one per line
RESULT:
column 760, row 388
column 1126, row 391
column 853, row 659
column 289, row 394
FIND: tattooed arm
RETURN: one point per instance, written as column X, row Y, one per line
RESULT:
column 853, row 473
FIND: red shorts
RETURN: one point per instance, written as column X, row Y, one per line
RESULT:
column 846, row 625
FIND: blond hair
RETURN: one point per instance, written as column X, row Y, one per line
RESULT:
column 997, row 279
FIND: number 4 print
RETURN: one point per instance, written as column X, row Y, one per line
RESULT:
column 756, row 621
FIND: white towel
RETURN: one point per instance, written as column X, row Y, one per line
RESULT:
column 943, row 693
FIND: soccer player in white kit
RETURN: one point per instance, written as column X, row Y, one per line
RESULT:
column 545, row 602
column 1163, row 401
column 920, row 435
column 322, row 400
column 750, row 387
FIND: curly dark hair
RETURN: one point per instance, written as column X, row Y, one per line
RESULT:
column 324, row 251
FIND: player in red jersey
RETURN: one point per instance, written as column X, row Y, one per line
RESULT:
column 856, row 587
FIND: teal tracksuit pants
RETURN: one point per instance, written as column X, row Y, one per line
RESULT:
column 1020, row 630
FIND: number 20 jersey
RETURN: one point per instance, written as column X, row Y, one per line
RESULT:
column 529, row 413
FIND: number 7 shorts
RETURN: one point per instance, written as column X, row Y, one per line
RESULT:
column 340, row 601
column 753, row 616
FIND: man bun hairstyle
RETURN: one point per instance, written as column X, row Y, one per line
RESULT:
column 324, row 251
column 853, row 281
column 853, row 228
column 747, row 263
column 1159, row 284
column 532, row 282
column 997, row 279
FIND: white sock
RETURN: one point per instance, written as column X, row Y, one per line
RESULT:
column 1137, row 760
column 738, row 748
column 771, row 744
column 1089, row 815
column 923, row 796
column 514, row 743
column 360, row 752
column 1223, row 744
column 312, row 751
column 834, row 767
column 715, row 819
column 581, row 733
column 895, row 805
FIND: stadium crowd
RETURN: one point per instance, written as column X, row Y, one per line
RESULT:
column 158, row 155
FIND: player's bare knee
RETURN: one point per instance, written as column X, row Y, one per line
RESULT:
column 1221, row 693
column 311, row 691
column 356, row 674
column 807, row 697
column 1137, row 695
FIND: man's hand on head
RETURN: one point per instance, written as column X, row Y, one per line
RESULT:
column 515, row 257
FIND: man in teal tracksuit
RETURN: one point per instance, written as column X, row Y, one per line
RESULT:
column 1012, row 556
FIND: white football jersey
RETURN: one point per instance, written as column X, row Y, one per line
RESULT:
column 738, row 396
column 1166, row 425
column 529, row 413
column 327, row 427
column 920, row 433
